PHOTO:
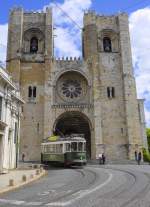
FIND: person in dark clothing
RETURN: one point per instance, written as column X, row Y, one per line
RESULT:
column 139, row 158
column 103, row 158
column 23, row 157
column 136, row 155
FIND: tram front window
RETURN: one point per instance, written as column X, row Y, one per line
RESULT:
column 80, row 146
column 73, row 146
column 68, row 147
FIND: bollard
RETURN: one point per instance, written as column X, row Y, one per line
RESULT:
column 24, row 178
column 35, row 166
column 11, row 182
column 37, row 172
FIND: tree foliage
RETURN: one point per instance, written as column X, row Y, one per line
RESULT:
column 148, row 136
column 146, row 155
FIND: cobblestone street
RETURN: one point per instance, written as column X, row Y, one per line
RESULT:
column 92, row 186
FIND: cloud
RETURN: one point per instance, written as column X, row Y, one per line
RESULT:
column 65, row 45
column 68, row 19
column 140, row 41
column 3, row 41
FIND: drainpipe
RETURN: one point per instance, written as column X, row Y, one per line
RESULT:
column 17, row 137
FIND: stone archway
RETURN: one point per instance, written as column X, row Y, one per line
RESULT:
column 74, row 122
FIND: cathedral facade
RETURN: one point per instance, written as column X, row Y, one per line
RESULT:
column 94, row 95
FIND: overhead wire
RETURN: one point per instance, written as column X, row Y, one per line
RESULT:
column 123, row 9
column 67, row 15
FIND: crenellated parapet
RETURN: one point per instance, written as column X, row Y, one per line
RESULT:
column 68, row 63
column 91, row 17
column 67, row 59
column 20, row 9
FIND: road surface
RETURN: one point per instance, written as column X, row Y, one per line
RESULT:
column 92, row 186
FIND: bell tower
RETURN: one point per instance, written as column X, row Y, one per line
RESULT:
column 106, row 46
column 29, row 55
column 29, row 39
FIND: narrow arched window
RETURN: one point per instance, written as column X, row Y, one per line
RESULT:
column 34, row 92
column 107, row 44
column 110, row 92
column 33, row 45
column 30, row 92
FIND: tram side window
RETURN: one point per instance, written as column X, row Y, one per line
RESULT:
column 73, row 146
column 51, row 148
column 80, row 146
column 59, row 148
column 67, row 147
column 44, row 149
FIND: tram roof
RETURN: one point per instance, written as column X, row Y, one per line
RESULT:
column 64, row 139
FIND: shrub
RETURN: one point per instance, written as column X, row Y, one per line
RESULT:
column 146, row 155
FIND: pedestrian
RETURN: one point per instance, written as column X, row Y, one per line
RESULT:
column 103, row 159
column 136, row 155
column 139, row 158
column 100, row 158
column 23, row 157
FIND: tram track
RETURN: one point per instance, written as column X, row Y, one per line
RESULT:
column 82, row 172
column 139, row 195
column 118, row 193
column 93, row 187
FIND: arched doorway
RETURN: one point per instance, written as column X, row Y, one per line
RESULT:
column 74, row 123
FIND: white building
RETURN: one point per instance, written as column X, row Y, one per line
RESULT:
column 10, row 111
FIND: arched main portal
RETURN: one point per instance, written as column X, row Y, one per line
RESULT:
column 74, row 122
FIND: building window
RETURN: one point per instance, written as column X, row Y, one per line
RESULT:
column 38, row 127
column 32, row 92
column 33, row 45
column 107, row 44
column 110, row 92
column 0, row 108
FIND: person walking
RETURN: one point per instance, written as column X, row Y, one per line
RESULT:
column 136, row 155
column 103, row 159
column 139, row 158
column 23, row 157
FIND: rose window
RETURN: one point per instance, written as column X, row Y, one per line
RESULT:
column 71, row 89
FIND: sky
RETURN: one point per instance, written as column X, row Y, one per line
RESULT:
column 68, row 34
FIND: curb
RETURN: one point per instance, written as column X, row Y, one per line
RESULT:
column 11, row 188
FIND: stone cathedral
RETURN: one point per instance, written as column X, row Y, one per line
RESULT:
column 94, row 95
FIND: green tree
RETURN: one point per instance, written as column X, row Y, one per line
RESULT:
column 148, row 137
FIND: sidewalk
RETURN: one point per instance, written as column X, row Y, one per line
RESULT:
column 19, row 177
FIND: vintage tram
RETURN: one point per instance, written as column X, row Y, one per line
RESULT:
column 69, row 150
